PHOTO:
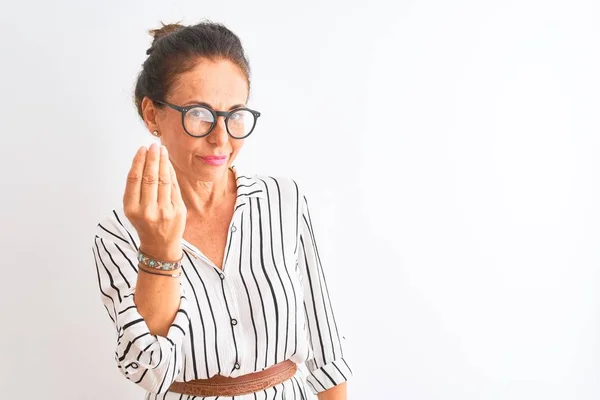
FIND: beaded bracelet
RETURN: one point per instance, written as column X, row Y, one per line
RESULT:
column 158, row 264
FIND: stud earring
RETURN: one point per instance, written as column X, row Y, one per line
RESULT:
column 155, row 133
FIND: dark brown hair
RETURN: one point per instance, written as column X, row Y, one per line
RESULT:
column 177, row 49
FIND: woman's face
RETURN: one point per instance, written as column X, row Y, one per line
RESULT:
column 222, row 86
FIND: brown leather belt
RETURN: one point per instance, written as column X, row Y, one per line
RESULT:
column 246, row 384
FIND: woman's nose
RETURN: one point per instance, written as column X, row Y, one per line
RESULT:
column 219, row 135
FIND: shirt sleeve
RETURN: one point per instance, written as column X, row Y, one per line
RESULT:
column 150, row 361
column 327, row 367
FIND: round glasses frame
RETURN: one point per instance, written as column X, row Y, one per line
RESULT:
column 215, row 114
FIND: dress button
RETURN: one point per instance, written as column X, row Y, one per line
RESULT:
column 236, row 366
column 134, row 365
column 222, row 276
column 233, row 228
column 234, row 321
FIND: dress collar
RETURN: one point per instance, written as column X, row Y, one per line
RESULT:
column 248, row 185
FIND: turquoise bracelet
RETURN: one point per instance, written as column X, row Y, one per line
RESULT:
column 158, row 264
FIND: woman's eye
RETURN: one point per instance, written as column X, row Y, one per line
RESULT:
column 197, row 113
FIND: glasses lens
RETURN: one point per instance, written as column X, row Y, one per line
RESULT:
column 198, row 120
column 240, row 123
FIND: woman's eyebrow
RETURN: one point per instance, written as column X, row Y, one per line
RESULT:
column 202, row 103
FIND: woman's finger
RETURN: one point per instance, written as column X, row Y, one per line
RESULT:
column 164, row 178
column 133, row 187
column 150, row 177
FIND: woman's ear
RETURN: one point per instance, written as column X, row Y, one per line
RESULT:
column 150, row 113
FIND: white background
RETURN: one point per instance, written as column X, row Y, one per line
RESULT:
column 450, row 152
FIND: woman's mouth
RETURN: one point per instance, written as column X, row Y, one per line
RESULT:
column 214, row 160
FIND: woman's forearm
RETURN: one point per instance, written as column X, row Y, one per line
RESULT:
column 335, row 393
column 157, row 297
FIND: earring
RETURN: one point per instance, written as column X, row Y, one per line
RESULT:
column 155, row 133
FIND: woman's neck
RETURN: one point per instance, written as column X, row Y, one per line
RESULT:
column 202, row 198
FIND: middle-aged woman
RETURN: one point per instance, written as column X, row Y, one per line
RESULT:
column 211, row 277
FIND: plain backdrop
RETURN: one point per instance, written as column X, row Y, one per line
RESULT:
column 450, row 154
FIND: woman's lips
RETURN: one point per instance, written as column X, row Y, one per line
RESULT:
column 214, row 160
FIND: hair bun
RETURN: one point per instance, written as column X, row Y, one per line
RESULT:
column 159, row 33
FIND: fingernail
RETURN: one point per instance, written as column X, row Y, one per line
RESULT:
column 163, row 149
column 154, row 147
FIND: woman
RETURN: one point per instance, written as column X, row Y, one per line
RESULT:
column 211, row 277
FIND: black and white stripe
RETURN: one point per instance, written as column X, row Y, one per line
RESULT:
column 270, row 303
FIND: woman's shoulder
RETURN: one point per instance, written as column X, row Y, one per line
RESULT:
column 268, row 184
column 278, row 185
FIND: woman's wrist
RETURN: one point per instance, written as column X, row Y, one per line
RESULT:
column 166, row 252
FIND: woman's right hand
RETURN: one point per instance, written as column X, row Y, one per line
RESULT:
column 153, row 204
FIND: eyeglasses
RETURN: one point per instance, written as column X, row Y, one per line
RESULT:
column 198, row 121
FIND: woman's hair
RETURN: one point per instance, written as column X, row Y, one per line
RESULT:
column 177, row 49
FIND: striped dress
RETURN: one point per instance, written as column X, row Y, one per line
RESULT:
column 269, row 303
